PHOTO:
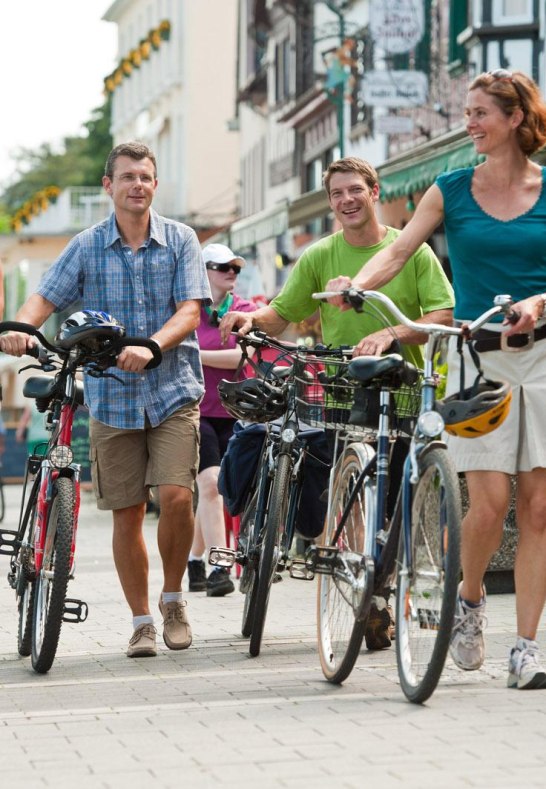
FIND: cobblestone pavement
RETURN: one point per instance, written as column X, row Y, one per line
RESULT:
column 212, row 716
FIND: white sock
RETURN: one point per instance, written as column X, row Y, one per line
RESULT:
column 193, row 558
column 172, row 597
column 143, row 619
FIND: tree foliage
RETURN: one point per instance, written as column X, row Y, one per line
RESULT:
column 80, row 163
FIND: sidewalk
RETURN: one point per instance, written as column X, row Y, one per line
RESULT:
column 212, row 716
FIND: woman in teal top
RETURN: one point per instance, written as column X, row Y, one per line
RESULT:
column 495, row 221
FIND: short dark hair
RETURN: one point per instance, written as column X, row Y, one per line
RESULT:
column 135, row 150
column 350, row 164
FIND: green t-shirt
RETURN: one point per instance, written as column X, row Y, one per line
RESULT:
column 419, row 288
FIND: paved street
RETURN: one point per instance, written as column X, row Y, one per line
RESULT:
column 212, row 716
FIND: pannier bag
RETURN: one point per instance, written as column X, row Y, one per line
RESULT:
column 242, row 459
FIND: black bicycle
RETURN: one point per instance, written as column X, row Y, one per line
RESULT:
column 269, row 520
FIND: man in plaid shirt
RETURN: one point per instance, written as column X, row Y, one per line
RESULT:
column 147, row 272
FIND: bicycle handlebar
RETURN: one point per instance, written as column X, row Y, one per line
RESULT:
column 259, row 339
column 357, row 297
column 122, row 342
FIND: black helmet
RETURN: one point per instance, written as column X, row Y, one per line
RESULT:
column 94, row 331
column 253, row 399
column 477, row 410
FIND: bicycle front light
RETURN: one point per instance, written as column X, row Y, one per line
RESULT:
column 430, row 424
column 61, row 456
column 288, row 435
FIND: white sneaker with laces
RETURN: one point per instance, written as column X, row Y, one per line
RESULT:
column 467, row 646
column 524, row 669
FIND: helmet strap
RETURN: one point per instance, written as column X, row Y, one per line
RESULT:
column 476, row 359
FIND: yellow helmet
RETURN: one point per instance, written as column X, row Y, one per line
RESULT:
column 477, row 410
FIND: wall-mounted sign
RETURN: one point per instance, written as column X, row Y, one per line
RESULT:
column 394, row 124
column 394, row 88
column 396, row 25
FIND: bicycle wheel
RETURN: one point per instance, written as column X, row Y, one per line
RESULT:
column 340, row 593
column 270, row 548
column 52, row 580
column 249, row 575
column 427, row 586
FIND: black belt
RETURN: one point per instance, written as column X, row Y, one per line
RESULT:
column 485, row 340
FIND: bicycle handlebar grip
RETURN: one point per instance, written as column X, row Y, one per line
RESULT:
column 144, row 342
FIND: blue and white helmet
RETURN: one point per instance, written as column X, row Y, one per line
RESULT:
column 93, row 330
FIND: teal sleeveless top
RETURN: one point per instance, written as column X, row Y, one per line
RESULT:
column 489, row 256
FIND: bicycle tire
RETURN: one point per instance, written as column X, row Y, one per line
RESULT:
column 425, row 602
column 249, row 574
column 52, row 580
column 270, row 548
column 340, row 633
column 2, row 500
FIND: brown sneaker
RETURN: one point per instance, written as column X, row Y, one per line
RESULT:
column 142, row 643
column 176, row 628
column 380, row 625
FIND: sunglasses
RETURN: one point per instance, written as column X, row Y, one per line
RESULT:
column 503, row 74
column 224, row 267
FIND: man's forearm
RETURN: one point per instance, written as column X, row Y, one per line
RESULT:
column 268, row 320
column 36, row 310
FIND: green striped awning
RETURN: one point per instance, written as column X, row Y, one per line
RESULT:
column 413, row 174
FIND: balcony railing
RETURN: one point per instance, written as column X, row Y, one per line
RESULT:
column 76, row 208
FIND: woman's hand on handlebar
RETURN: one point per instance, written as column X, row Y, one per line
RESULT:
column 524, row 315
column 339, row 283
column 16, row 343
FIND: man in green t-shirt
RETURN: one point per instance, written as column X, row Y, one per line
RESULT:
column 421, row 291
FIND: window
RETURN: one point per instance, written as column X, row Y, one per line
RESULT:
column 458, row 21
column 282, row 71
column 511, row 12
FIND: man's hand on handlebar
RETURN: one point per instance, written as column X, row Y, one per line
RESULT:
column 134, row 358
column 16, row 343
column 241, row 321
column 339, row 283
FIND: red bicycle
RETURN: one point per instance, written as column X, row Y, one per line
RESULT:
column 43, row 546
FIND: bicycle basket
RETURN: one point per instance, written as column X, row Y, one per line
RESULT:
column 329, row 398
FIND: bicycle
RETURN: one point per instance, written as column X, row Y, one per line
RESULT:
column 42, row 548
column 362, row 553
column 269, row 519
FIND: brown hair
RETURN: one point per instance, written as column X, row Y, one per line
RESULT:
column 350, row 164
column 135, row 150
column 512, row 90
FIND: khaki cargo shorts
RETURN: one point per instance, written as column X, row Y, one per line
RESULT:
column 126, row 463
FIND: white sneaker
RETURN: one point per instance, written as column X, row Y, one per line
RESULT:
column 467, row 647
column 524, row 669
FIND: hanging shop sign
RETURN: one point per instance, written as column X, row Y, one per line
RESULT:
column 394, row 88
column 396, row 26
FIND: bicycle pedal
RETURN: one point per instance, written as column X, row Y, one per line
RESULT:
column 8, row 542
column 222, row 557
column 75, row 610
column 321, row 559
column 300, row 570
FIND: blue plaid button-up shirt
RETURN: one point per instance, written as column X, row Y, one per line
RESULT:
column 141, row 290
